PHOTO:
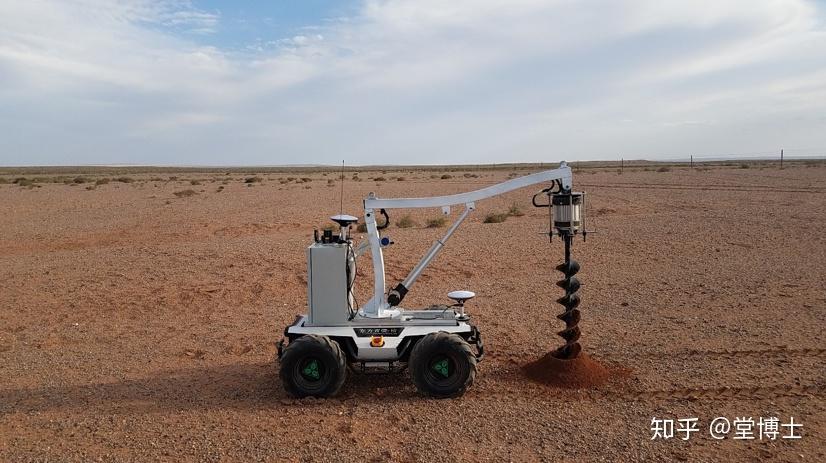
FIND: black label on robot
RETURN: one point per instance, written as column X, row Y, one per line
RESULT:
column 378, row 331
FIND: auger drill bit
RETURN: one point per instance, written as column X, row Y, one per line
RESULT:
column 570, row 301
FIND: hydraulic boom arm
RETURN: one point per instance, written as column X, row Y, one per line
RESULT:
column 379, row 305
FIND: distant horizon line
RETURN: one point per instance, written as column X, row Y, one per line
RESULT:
column 680, row 160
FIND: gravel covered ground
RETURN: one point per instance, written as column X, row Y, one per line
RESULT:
column 140, row 325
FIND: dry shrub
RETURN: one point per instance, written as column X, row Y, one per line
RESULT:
column 436, row 222
column 406, row 222
column 495, row 218
column 185, row 193
column 515, row 210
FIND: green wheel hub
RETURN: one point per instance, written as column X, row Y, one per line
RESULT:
column 441, row 367
column 311, row 370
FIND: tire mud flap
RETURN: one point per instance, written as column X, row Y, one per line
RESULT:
column 475, row 338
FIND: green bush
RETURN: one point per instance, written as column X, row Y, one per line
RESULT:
column 101, row 181
column 125, row 179
column 446, row 176
column 664, row 169
column 257, row 179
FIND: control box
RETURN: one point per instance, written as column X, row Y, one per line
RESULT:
column 330, row 274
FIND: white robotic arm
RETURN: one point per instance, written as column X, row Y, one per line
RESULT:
column 380, row 306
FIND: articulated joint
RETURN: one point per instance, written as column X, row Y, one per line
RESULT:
column 395, row 296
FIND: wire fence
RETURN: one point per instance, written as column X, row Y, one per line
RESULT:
column 784, row 154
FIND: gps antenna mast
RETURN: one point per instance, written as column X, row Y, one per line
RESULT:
column 341, row 203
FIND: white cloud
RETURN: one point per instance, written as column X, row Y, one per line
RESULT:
column 408, row 81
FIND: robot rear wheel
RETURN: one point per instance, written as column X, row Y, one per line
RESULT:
column 313, row 365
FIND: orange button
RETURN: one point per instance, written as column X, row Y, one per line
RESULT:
column 377, row 341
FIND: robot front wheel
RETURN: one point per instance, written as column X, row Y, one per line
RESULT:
column 442, row 365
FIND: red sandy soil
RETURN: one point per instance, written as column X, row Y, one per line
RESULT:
column 581, row 372
column 137, row 325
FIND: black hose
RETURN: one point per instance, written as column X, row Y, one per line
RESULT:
column 386, row 220
column 546, row 192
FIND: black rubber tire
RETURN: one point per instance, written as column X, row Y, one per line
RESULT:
column 313, row 365
column 438, row 350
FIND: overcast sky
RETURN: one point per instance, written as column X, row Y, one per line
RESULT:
column 406, row 82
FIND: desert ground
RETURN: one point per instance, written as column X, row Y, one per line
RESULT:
column 139, row 316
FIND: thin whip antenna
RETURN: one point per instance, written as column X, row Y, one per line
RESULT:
column 341, row 204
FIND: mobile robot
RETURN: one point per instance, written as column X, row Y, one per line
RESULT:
column 439, row 344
